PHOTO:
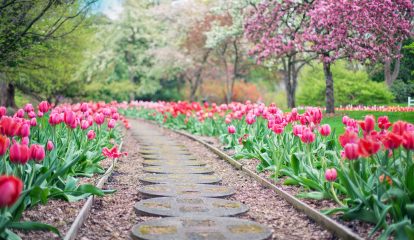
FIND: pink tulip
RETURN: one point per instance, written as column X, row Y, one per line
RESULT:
column 50, row 146
column 351, row 151
column 19, row 153
column 25, row 141
column 25, row 130
column 3, row 111
column 99, row 118
column 84, row 124
column 28, row 108
column 33, row 122
column 20, row 113
column 37, row 153
column 44, row 107
column 307, row 136
column 91, row 134
column 325, row 130
column 111, row 123
column 231, row 129
column 331, row 175
column 84, row 107
column 69, row 117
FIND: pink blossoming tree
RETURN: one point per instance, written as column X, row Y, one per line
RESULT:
column 363, row 30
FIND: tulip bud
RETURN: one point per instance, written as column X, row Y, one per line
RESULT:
column 231, row 129
column 325, row 130
column 33, row 122
column 84, row 124
column 331, row 175
column 69, row 117
column 39, row 114
column 91, row 135
column 31, row 114
column 50, row 146
column 99, row 118
column 10, row 189
column 84, row 107
column 307, row 136
column 28, row 108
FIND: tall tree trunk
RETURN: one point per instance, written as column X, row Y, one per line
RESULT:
column 7, row 92
column 392, row 74
column 197, row 77
column 330, row 99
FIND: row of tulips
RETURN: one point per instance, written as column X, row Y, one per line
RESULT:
column 368, row 171
column 44, row 151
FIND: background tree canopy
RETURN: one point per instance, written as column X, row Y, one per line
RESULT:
column 195, row 50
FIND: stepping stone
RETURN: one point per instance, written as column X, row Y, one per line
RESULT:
column 200, row 228
column 178, row 153
column 180, row 178
column 178, row 169
column 173, row 163
column 186, row 190
column 169, row 157
column 189, row 207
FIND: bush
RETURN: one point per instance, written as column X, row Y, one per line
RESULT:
column 351, row 87
column 402, row 90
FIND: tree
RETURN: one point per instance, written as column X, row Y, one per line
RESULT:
column 24, row 24
column 365, row 31
column 277, row 28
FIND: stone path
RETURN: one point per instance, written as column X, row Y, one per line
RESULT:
column 186, row 193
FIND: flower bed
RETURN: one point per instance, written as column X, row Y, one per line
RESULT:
column 367, row 171
column 43, row 154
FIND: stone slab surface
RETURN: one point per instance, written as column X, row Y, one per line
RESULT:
column 186, row 190
column 180, row 178
column 200, row 228
column 189, row 207
column 170, row 163
column 178, row 169
column 168, row 157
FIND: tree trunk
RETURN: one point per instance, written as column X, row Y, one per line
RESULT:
column 392, row 74
column 197, row 78
column 330, row 99
column 7, row 92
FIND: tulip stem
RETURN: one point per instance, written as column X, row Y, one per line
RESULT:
column 335, row 197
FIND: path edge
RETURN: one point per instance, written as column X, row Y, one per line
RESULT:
column 85, row 211
column 333, row 226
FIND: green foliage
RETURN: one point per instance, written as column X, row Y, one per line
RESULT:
column 402, row 90
column 350, row 86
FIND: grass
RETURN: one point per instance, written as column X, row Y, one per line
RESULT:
column 336, row 120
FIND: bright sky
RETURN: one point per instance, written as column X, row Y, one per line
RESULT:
column 111, row 8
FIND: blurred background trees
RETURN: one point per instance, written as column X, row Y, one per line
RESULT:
column 198, row 50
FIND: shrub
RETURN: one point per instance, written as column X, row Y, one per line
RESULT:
column 351, row 87
column 402, row 90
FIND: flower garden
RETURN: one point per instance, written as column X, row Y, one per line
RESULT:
column 45, row 151
column 366, row 170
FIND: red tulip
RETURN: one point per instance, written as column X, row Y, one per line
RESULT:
column 37, row 152
column 399, row 127
column 4, row 144
column 408, row 141
column 9, row 126
column 231, row 129
column 10, row 189
column 91, row 135
column 331, row 175
column 113, row 153
column 348, row 137
column 351, row 151
column 50, row 145
column 44, row 107
column 368, row 146
column 278, row 129
column 325, row 130
column 384, row 123
column 392, row 140
column 19, row 153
